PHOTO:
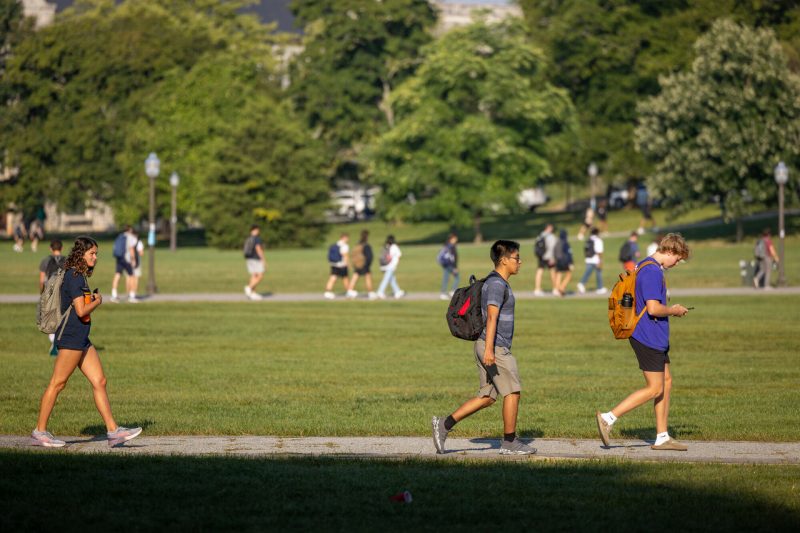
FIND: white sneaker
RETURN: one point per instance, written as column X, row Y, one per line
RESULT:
column 115, row 299
column 640, row 231
column 380, row 296
column 581, row 288
column 247, row 290
column 444, row 296
column 538, row 293
column 352, row 294
column 372, row 296
column 255, row 296
column 580, row 237
column 556, row 292
column 329, row 295
column 601, row 290
column 399, row 294
column 133, row 300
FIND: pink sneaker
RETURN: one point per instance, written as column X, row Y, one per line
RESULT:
column 46, row 439
column 121, row 435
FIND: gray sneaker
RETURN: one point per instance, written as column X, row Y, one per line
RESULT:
column 46, row 439
column 439, row 433
column 122, row 435
column 603, row 428
column 516, row 447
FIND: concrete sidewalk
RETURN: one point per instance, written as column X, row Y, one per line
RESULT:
column 413, row 296
column 422, row 447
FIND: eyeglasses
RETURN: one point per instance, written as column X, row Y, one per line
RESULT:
column 515, row 258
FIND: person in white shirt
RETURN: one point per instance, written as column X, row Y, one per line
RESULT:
column 338, row 265
column 389, row 259
column 593, row 251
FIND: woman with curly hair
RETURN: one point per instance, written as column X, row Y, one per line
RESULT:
column 75, row 350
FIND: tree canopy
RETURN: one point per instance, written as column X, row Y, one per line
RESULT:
column 476, row 124
column 719, row 128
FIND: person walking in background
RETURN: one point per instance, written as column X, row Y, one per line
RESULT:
column 653, row 246
column 339, row 259
column 602, row 216
column 256, row 262
column 588, row 220
column 629, row 252
column 137, row 268
column 544, row 250
column 593, row 251
column 389, row 259
column 645, row 204
column 448, row 260
column 765, row 254
column 497, row 366
column 35, row 233
column 75, row 350
column 123, row 252
column 47, row 267
column 650, row 343
column 20, row 232
column 361, row 258
column 565, row 263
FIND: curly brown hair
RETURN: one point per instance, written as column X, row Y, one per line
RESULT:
column 75, row 259
column 673, row 243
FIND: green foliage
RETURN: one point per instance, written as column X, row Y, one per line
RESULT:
column 475, row 125
column 719, row 128
column 193, row 81
column 356, row 53
column 610, row 53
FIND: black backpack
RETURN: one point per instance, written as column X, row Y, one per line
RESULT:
column 464, row 316
column 588, row 248
column 540, row 247
column 625, row 253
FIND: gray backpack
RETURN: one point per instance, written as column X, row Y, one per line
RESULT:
column 48, row 312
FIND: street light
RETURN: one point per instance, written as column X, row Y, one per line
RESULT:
column 592, row 177
column 174, row 180
column 781, row 177
column 152, row 167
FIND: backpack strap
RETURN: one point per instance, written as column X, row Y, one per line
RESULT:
column 639, row 267
column 505, row 289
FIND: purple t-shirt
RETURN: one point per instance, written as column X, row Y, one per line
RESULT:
column 650, row 285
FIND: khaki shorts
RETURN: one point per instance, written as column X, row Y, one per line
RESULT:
column 255, row 266
column 502, row 378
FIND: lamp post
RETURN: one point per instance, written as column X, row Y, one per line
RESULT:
column 781, row 177
column 152, row 167
column 592, row 170
column 174, row 180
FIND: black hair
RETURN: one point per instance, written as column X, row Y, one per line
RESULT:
column 254, row 226
column 364, row 236
column 56, row 244
column 501, row 249
column 390, row 240
column 595, row 231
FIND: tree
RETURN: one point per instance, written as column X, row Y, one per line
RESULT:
column 474, row 126
column 610, row 53
column 356, row 53
column 718, row 129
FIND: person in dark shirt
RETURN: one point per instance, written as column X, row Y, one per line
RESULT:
column 75, row 350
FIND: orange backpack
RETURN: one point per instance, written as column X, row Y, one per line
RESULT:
column 622, row 315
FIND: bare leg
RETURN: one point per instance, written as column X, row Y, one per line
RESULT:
column 255, row 279
column 115, row 282
column 510, row 410
column 553, row 277
column 368, row 280
column 565, row 281
column 661, row 403
column 93, row 370
column 538, row 285
column 473, row 405
column 65, row 365
column 331, row 281
column 353, row 282
column 654, row 389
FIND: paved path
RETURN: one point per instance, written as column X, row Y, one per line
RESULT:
column 422, row 447
column 414, row 296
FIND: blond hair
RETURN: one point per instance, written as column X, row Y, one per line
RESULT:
column 673, row 243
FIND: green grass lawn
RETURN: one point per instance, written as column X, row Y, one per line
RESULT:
column 74, row 492
column 201, row 269
column 383, row 368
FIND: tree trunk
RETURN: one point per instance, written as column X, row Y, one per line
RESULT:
column 477, row 226
column 385, row 105
column 739, row 229
column 566, row 205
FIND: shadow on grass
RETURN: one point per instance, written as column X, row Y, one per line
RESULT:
column 226, row 493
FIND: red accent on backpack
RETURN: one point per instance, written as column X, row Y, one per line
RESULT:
column 463, row 310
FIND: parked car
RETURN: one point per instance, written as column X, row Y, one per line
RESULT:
column 617, row 197
column 357, row 203
column 532, row 198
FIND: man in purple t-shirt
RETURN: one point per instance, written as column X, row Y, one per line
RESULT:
column 650, row 342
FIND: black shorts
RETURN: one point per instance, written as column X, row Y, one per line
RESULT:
column 340, row 272
column 123, row 266
column 362, row 271
column 545, row 264
column 650, row 359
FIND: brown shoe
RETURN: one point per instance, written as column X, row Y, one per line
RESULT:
column 603, row 428
column 670, row 445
